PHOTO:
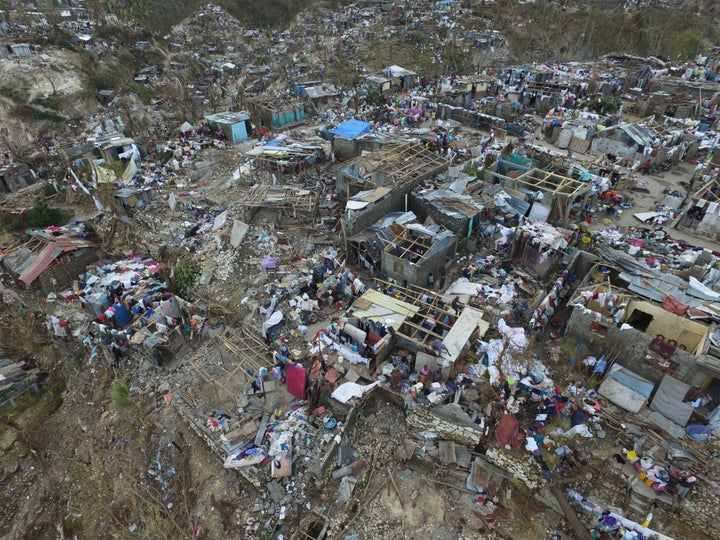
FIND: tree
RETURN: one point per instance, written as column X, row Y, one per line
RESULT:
column 683, row 44
column 373, row 96
column 605, row 105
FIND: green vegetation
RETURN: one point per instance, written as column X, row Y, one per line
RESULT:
column 120, row 394
column 373, row 96
column 683, row 44
column 185, row 278
column 40, row 216
column 605, row 105
column 472, row 169
column 12, row 93
column 51, row 116
column 48, row 103
column 161, row 15
column 545, row 31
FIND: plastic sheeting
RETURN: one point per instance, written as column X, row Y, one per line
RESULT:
column 516, row 336
column 346, row 391
column 351, row 129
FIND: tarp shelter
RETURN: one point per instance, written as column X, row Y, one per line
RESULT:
column 668, row 400
column 351, row 129
column 626, row 389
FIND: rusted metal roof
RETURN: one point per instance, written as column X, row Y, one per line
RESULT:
column 47, row 255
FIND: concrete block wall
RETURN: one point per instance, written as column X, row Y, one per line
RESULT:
column 423, row 208
column 401, row 270
column 60, row 276
column 359, row 220
column 344, row 148
column 633, row 346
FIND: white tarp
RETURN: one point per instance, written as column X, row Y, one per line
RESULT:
column 346, row 391
column 239, row 230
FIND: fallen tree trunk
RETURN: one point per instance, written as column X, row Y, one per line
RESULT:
column 581, row 532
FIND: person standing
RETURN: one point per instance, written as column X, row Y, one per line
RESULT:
column 431, row 281
column 442, row 278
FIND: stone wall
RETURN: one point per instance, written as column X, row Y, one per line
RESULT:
column 426, row 419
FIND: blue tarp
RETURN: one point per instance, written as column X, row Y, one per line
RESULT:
column 351, row 129
column 641, row 386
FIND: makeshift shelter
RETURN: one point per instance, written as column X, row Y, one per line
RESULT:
column 624, row 140
column 345, row 136
column 235, row 125
column 400, row 77
column 291, row 156
column 350, row 129
column 381, row 83
column 132, row 197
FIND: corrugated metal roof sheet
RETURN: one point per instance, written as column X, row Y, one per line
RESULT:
column 47, row 256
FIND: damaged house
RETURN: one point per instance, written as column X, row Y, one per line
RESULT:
column 235, row 125
column 553, row 194
column 381, row 182
column 417, row 251
column 272, row 114
column 50, row 260
column 15, row 176
column 658, row 321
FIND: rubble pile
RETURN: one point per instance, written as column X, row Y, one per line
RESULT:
column 462, row 305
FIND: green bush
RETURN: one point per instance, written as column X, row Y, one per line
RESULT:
column 42, row 216
column 47, row 103
column 605, row 105
column 373, row 96
column 12, row 93
column 120, row 394
column 185, row 278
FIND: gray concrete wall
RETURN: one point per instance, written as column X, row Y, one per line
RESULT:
column 344, row 148
column 633, row 346
column 416, row 274
column 359, row 220
column 423, row 208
